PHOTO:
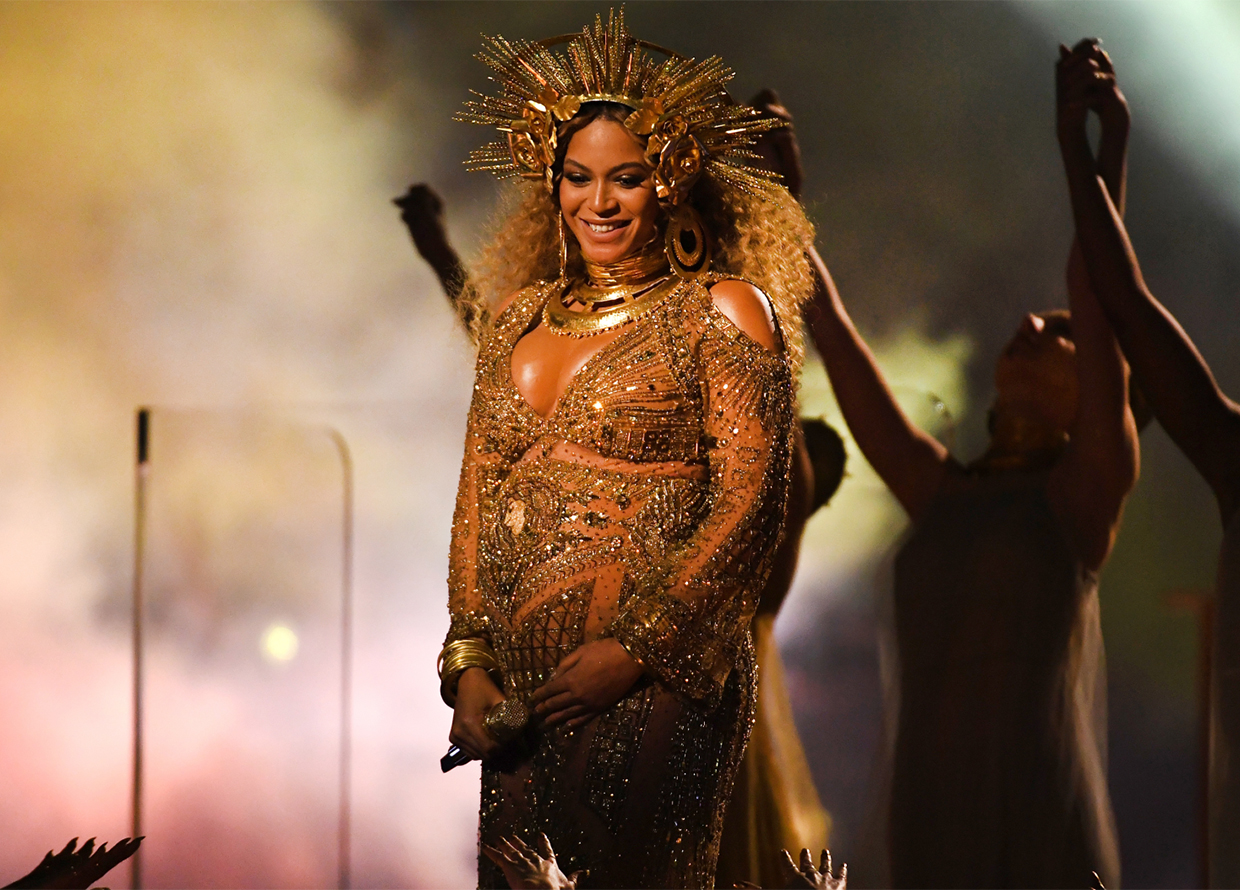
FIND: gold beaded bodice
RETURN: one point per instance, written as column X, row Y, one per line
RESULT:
column 636, row 399
column 699, row 415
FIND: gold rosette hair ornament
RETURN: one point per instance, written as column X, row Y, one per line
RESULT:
column 692, row 126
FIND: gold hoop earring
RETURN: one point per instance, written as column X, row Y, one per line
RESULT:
column 559, row 219
column 686, row 245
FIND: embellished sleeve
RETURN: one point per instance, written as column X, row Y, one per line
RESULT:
column 481, row 466
column 688, row 626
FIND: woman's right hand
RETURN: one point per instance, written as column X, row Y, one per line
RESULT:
column 421, row 210
column 476, row 694
column 1085, row 81
column 779, row 149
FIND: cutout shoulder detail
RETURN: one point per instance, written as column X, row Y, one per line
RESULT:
column 750, row 310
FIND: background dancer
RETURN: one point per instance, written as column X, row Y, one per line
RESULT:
column 1181, row 390
column 998, row 776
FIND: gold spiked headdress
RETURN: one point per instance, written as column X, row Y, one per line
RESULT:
column 694, row 127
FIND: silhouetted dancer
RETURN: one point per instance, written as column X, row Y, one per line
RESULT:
column 1184, row 396
column 997, row 774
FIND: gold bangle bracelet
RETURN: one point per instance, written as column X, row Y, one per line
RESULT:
column 454, row 651
column 458, row 657
column 461, row 654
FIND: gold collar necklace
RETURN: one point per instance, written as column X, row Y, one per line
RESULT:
column 648, row 262
column 637, row 301
column 611, row 295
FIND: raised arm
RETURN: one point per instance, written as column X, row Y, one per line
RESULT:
column 421, row 210
column 909, row 461
column 1112, row 163
column 1174, row 378
column 1101, row 462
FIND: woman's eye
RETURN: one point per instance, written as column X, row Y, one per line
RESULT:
column 631, row 182
column 577, row 178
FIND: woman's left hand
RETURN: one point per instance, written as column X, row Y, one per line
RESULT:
column 587, row 682
column 1085, row 80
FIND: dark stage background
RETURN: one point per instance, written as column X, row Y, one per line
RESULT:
column 193, row 215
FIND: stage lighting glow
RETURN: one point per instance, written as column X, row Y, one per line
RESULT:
column 279, row 644
column 1179, row 65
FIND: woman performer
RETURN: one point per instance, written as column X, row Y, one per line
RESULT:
column 627, row 457
column 774, row 804
column 997, row 778
column 1181, row 390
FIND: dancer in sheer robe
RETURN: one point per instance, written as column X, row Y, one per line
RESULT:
column 998, row 776
column 1184, row 396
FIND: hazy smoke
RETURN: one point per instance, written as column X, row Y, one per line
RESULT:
column 194, row 212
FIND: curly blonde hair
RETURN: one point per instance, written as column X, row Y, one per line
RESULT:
column 759, row 238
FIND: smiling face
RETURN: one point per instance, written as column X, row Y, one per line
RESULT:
column 1036, row 373
column 607, row 193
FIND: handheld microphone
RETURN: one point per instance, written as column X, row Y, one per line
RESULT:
column 504, row 722
column 454, row 758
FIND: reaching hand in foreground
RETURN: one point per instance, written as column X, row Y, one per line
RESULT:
column 805, row 875
column 77, row 866
column 529, row 869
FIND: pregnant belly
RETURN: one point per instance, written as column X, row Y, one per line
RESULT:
column 550, row 509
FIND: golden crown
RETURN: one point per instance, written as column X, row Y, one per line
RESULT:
column 694, row 127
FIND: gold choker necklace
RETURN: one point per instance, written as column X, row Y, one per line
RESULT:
column 646, row 264
column 638, row 300
column 614, row 285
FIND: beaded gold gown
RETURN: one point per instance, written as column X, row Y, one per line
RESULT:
column 647, row 507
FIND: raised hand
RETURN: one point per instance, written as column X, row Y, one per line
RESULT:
column 780, row 151
column 1085, row 81
column 587, row 682
column 528, row 869
column 805, row 875
column 421, row 210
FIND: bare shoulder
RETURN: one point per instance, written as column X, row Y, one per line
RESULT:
column 747, row 308
column 507, row 301
column 515, row 295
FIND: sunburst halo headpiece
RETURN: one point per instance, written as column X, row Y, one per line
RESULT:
column 693, row 126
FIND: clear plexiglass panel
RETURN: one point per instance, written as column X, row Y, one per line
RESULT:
column 243, row 602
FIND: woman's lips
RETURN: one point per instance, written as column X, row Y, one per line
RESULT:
column 606, row 232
